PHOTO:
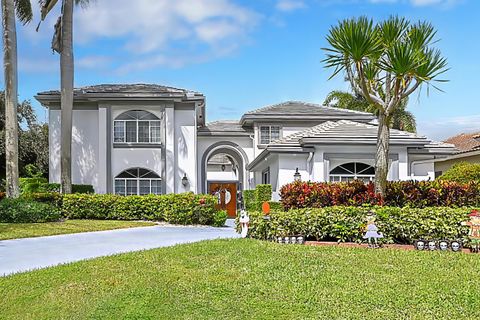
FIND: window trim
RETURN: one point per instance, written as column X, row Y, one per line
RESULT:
column 137, row 179
column 354, row 175
column 280, row 133
column 152, row 123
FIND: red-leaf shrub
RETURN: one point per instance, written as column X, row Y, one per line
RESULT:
column 398, row 194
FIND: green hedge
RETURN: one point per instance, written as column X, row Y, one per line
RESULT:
column 257, row 206
column 253, row 199
column 41, row 185
column 185, row 208
column 248, row 198
column 27, row 211
column 399, row 225
column 263, row 192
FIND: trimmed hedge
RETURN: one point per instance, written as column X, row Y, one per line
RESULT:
column 27, row 211
column 399, row 225
column 257, row 206
column 41, row 185
column 263, row 192
column 185, row 208
column 462, row 172
column 398, row 193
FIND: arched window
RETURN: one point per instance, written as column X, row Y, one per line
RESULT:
column 351, row 171
column 138, row 181
column 137, row 126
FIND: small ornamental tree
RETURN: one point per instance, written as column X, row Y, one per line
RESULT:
column 385, row 63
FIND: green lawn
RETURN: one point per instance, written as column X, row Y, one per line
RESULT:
column 27, row 230
column 248, row 279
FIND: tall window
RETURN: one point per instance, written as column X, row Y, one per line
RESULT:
column 269, row 134
column 138, row 181
column 352, row 171
column 137, row 126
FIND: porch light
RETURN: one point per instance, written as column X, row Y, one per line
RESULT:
column 223, row 167
column 184, row 180
column 297, row 176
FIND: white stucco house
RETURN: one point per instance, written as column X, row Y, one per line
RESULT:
column 145, row 138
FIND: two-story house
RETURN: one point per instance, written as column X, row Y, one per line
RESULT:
column 143, row 138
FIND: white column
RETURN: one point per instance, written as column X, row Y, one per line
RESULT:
column 318, row 166
column 169, row 149
column 403, row 165
column 102, row 150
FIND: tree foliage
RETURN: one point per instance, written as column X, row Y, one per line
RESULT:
column 33, row 138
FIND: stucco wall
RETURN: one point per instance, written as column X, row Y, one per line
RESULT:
column 185, row 150
column 85, row 145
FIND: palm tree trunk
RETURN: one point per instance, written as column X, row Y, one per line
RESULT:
column 381, row 157
column 10, row 73
column 66, row 75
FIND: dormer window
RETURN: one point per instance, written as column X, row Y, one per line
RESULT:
column 137, row 126
column 269, row 134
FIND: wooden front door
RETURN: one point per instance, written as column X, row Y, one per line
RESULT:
column 226, row 193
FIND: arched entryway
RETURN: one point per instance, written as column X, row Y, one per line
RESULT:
column 223, row 174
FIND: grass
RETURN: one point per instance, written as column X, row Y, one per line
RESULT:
column 27, row 230
column 248, row 279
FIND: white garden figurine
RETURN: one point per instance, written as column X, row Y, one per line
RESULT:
column 244, row 220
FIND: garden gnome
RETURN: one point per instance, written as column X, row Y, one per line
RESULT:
column 372, row 233
column 474, row 233
column 244, row 220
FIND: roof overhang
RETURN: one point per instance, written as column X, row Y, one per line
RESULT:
column 277, row 150
column 248, row 119
column 459, row 155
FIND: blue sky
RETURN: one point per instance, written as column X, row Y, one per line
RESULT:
column 246, row 54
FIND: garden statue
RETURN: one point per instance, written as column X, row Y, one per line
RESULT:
column 432, row 245
column 443, row 245
column 372, row 233
column 474, row 232
column 244, row 221
column 420, row 245
column 456, row 246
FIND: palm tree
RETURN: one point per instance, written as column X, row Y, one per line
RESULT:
column 23, row 10
column 63, row 44
column 394, row 57
column 402, row 119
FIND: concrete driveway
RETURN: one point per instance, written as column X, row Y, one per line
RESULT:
column 21, row 255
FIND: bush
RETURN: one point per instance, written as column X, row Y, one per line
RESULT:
column 398, row 193
column 27, row 211
column 29, row 185
column 462, row 172
column 41, row 185
column 76, row 188
column 263, row 192
column 257, row 206
column 185, row 208
column 220, row 218
column 399, row 225
column 248, row 198
column 53, row 198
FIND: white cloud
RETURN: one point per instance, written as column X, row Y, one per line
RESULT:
column 290, row 5
column 440, row 129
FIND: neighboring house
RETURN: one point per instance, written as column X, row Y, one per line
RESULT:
column 141, row 138
column 468, row 145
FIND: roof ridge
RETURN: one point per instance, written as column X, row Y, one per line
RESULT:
column 311, row 104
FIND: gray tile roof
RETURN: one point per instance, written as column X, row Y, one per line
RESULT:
column 224, row 127
column 307, row 111
column 122, row 89
column 346, row 131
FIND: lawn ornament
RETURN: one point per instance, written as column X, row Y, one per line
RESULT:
column 456, row 246
column 372, row 233
column 420, row 245
column 474, row 232
column 432, row 245
column 244, row 222
column 443, row 245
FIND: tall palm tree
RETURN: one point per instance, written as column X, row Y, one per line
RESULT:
column 63, row 44
column 23, row 10
column 402, row 119
column 395, row 57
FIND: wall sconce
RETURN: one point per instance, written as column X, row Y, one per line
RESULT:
column 297, row 176
column 223, row 167
column 184, row 180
